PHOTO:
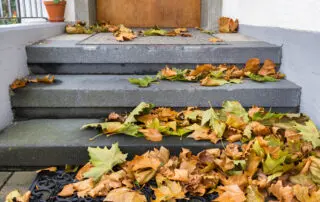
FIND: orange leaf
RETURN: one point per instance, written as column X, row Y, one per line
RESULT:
column 152, row 134
column 252, row 65
column 18, row 83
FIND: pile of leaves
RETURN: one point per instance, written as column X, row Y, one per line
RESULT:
column 281, row 164
column 20, row 83
column 231, row 123
column 156, row 31
column 121, row 32
column 210, row 75
column 228, row 25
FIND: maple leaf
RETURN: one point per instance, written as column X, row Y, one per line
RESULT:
column 271, row 166
column 309, row 133
column 252, row 65
column 231, row 193
column 268, row 68
column 283, row 194
column 212, row 117
column 253, row 194
column 168, row 191
column 104, row 160
column 228, row 25
column 141, row 108
column 15, row 196
column 124, row 194
column 124, row 34
column 18, row 83
column 215, row 39
column 152, row 134
column 237, row 116
column 261, row 116
column 303, row 195
column 259, row 78
column 106, row 127
column 48, row 79
column 154, row 32
column 209, row 81
column 142, row 82
column 315, row 169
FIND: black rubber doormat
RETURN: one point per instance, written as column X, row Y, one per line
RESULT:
column 47, row 185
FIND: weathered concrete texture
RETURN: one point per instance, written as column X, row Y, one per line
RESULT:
column 65, row 49
column 19, row 181
column 4, row 176
column 49, row 142
column 300, row 61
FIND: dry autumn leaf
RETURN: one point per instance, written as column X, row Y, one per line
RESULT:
column 215, row 40
column 252, row 65
column 228, row 25
column 19, row 83
column 231, row 193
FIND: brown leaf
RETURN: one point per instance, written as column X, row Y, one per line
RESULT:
column 232, row 151
column 215, row 40
column 268, row 68
column 186, row 35
column 83, row 187
column 260, row 129
column 230, row 193
column 233, row 73
column 202, row 70
column 252, row 65
column 48, row 79
column 283, row 194
column 254, row 109
column 165, row 114
column 240, row 180
column 125, row 194
column 18, row 83
column 228, row 25
column 151, row 134
column 50, row 169
column 168, row 191
column 67, row 190
column 302, row 193
column 83, row 170
column 113, row 116
column 180, row 30
column 253, row 163
column 125, row 37
column 167, row 72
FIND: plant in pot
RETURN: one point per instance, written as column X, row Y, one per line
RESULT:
column 55, row 10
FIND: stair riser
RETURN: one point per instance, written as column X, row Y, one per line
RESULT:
column 22, row 113
column 162, row 54
column 140, row 69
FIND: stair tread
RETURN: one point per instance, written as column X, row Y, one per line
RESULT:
column 116, row 91
column 47, row 142
column 237, row 48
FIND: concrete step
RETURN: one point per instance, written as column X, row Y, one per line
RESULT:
column 97, row 95
column 57, row 142
column 84, row 54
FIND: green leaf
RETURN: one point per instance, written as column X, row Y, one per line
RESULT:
column 104, row 160
column 142, row 82
column 242, row 163
column 235, row 108
column 309, row 133
column 269, row 115
column 56, row 1
column 258, row 149
column 154, row 32
column 179, row 132
column 141, row 108
column 272, row 166
column 247, row 134
column 236, row 81
column 259, row 78
column 212, row 117
column 130, row 129
column 274, row 176
column 253, row 194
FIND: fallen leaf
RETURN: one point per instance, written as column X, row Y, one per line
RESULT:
column 309, row 133
column 259, row 78
column 18, row 83
column 302, row 193
column 268, row 68
column 103, row 160
column 252, row 65
column 228, row 25
column 50, row 169
column 83, row 170
column 254, row 195
column 142, row 82
column 15, row 196
column 283, row 194
column 141, row 108
column 168, row 191
column 215, row 40
column 67, row 190
column 152, row 134
column 48, row 79
column 231, row 193
column 124, row 194
column 154, row 32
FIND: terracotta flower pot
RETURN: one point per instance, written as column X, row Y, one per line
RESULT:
column 55, row 11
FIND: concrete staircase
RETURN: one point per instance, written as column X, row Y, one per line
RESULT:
column 92, row 81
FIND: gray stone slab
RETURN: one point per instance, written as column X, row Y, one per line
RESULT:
column 93, row 112
column 50, row 142
column 4, row 176
column 112, row 91
column 238, row 49
column 197, row 38
column 19, row 181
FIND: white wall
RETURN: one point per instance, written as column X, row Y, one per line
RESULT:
column 291, row 14
column 13, row 58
